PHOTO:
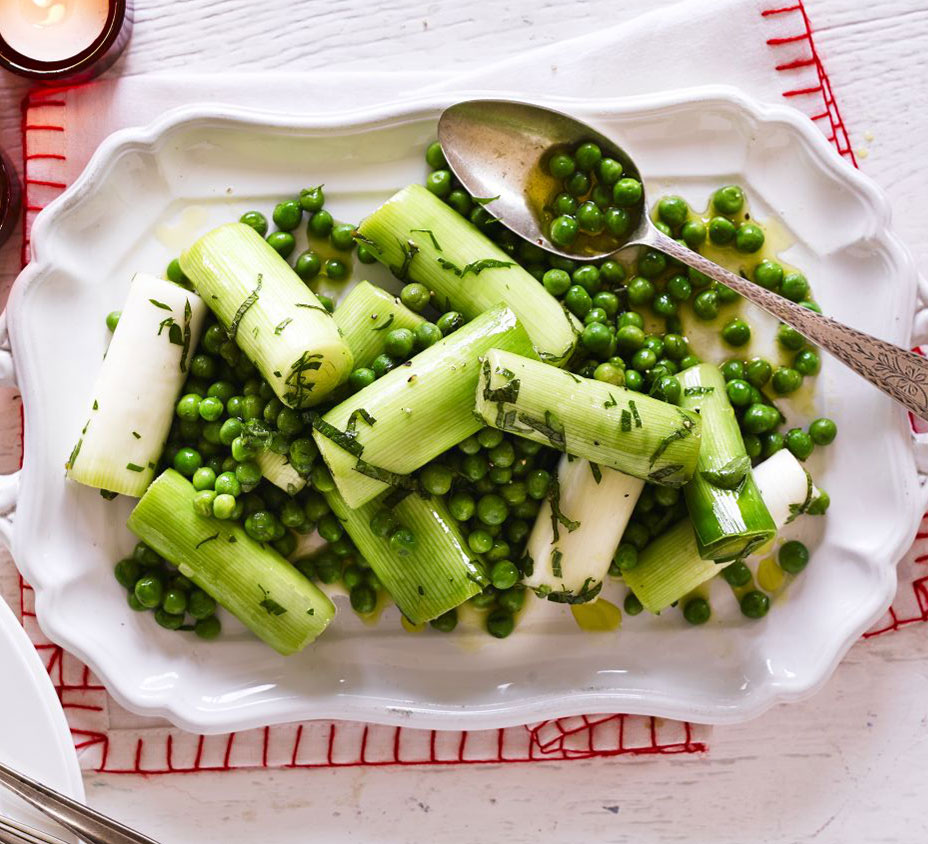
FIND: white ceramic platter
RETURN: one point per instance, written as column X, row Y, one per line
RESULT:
column 34, row 736
column 148, row 192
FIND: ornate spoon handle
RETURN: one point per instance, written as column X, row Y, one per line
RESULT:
column 901, row 374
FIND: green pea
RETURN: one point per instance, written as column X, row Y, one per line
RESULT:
column 697, row 279
column 769, row 274
column 795, row 287
column 511, row 599
column 634, row 380
column 564, row 205
column 607, row 302
column 786, row 380
column 188, row 407
column 366, row 254
column 726, row 294
column 749, row 238
column 449, row 322
column 652, row 264
column 697, row 611
column 187, row 461
column 200, row 605
column 596, row 338
column 312, row 199
column 578, row 184
column 564, row 230
column 382, row 364
column 479, row 541
column 737, row 574
column 799, row 443
column 590, row 218
column 176, row 274
column 732, row 369
column 436, row 479
column 753, row 446
column 757, row 372
column 728, row 200
column 287, row 215
column 174, row 602
column 807, row 362
column 363, row 599
column 793, row 556
column 673, row 210
column 445, row 623
column 415, row 296
column 755, row 604
column 256, row 220
column 721, row 231
column 308, row 265
column 283, row 243
column 810, row 306
column 773, row 442
column 490, row 437
column 427, row 334
column 823, row 431
column 578, row 301
column 227, row 484
column 248, row 474
column 399, row 343
column 149, row 590
column 537, row 483
column 643, row 360
column 500, row 623
column 631, row 604
column 561, row 165
column 461, row 505
column 342, row 236
column 492, row 510
column 679, row 288
column 208, row 628
column 626, row 556
column 556, row 282
column 222, row 506
column 627, row 192
column 694, row 233
column 335, row 269
column 517, row 530
column 789, row 337
column 819, row 505
column 736, row 332
column 587, row 276
column 618, row 222
column 609, row 374
column 210, row 408
column 640, row 291
column 588, row 155
column 760, row 418
column 739, row 392
column 439, row 182
column 706, row 305
column 667, row 388
column 609, row 171
column 320, row 224
column 504, row 574
column 326, row 302
column 127, row 572
column 602, row 196
column 203, row 478
column 434, row 157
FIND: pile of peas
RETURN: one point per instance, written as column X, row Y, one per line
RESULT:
column 616, row 301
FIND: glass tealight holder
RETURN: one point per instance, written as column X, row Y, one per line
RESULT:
column 54, row 41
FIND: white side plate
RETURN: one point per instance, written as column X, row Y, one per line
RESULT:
column 131, row 210
column 34, row 736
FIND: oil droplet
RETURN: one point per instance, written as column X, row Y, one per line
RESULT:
column 178, row 236
column 599, row 616
column 770, row 576
column 409, row 627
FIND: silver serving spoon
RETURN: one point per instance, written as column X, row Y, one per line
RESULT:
column 495, row 148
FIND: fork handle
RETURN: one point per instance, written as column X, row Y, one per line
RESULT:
column 901, row 374
column 83, row 821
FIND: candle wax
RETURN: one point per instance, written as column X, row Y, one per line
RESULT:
column 51, row 30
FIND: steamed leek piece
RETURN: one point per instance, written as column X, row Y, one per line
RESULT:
column 670, row 567
column 578, row 529
column 248, row 578
column 277, row 469
column 375, row 438
column 608, row 425
column 439, row 574
column 726, row 508
column 264, row 306
column 136, row 389
column 420, row 238
column 365, row 317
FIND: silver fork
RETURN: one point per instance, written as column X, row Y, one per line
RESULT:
column 87, row 824
column 15, row 832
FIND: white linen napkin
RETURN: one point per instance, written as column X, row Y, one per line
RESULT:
column 764, row 47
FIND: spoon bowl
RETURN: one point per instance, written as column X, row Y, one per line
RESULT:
column 496, row 148
column 519, row 137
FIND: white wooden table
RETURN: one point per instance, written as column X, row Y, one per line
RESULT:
column 847, row 766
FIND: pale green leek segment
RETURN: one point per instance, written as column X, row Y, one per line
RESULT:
column 422, row 239
column 135, row 391
column 365, row 317
column 725, row 506
column 608, row 425
column 670, row 567
column 438, row 575
column 248, row 578
column 415, row 412
column 276, row 320
column 277, row 469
